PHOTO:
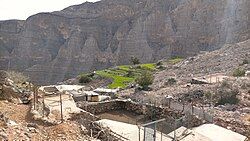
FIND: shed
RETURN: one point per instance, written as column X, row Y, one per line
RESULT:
column 50, row 89
column 105, row 91
column 77, row 96
column 91, row 96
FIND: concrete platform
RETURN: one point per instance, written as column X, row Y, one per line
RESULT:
column 217, row 133
column 131, row 132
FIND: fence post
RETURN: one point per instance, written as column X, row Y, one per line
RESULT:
column 61, row 106
column 183, row 107
column 144, row 137
column 154, row 131
column 203, row 113
column 139, row 132
column 175, row 126
column 34, row 97
column 169, row 102
column 43, row 105
column 192, row 109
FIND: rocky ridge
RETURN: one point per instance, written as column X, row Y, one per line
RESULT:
column 51, row 47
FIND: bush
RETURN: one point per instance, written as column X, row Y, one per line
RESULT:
column 228, row 97
column 145, row 80
column 171, row 81
column 159, row 63
column 17, row 77
column 84, row 79
column 225, row 84
column 208, row 95
column 239, row 73
column 130, row 73
column 245, row 61
column 134, row 60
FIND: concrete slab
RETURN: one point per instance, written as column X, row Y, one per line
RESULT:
column 68, row 106
column 131, row 132
column 217, row 133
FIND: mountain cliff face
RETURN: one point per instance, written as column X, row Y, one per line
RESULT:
column 50, row 47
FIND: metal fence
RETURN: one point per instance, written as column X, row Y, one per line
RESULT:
column 189, row 109
column 186, row 108
column 160, row 130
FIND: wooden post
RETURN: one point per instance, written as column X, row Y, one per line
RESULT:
column 34, row 97
column 139, row 132
column 61, row 107
column 155, row 131
column 169, row 103
column 43, row 105
column 175, row 126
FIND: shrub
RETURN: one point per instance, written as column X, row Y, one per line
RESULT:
column 145, row 80
column 208, row 95
column 171, row 81
column 228, row 97
column 134, row 60
column 130, row 73
column 239, row 72
column 159, row 63
column 225, row 84
column 17, row 77
column 84, row 78
column 245, row 61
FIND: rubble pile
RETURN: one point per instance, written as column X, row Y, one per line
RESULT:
column 13, row 92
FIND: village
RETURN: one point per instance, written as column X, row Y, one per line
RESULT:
column 126, row 119
column 179, row 106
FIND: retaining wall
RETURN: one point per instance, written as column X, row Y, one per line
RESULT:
column 140, row 109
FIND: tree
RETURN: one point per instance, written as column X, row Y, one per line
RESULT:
column 84, row 78
column 134, row 60
column 145, row 80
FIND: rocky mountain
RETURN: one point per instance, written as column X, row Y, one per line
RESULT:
column 51, row 47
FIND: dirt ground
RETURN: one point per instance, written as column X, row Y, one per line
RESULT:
column 124, row 116
column 69, row 130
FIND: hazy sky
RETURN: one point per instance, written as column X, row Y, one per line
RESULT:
column 22, row 9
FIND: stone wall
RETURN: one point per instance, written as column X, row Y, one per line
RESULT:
column 102, row 107
column 141, row 109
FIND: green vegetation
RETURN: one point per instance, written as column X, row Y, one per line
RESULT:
column 17, row 77
column 85, row 78
column 245, row 61
column 145, row 80
column 134, row 60
column 239, row 72
column 159, row 63
column 175, row 60
column 208, row 95
column 171, row 81
column 228, row 97
column 118, row 79
column 149, row 67
column 124, row 75
column 226, row 94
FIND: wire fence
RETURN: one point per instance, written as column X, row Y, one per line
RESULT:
column 185, row 108
column 163, row 129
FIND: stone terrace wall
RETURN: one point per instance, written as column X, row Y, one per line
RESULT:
column 138, row 108
column 102, row 107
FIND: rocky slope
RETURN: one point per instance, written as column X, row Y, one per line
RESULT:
column 50, row 47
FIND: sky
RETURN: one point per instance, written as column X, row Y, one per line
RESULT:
column 22, row 9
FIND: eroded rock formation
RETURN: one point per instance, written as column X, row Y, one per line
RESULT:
column 50, row 47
